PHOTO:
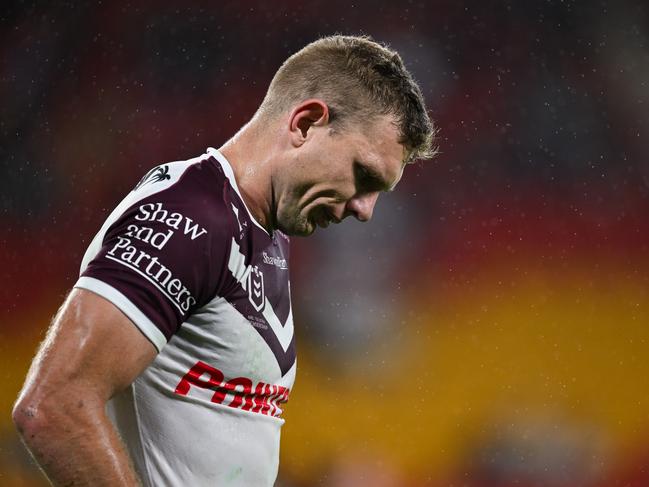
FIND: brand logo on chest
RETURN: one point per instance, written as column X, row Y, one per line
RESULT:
column 278, row 262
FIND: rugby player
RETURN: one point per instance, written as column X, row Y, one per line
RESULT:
column 171, row 359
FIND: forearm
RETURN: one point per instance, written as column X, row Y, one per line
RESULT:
column 75, row 444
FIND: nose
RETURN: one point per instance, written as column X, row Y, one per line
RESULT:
column 362, row 206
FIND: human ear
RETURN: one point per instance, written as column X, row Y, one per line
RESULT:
column 309, row 113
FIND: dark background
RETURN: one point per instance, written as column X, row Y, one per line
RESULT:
column 489, row 327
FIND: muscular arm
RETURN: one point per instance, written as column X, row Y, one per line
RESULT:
column 91, row 352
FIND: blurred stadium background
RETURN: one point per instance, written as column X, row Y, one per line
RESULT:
column 490, row 326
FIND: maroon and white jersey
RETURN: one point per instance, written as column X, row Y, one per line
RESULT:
column 182, row 257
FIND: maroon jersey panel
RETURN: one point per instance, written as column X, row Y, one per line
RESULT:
column 166, row 252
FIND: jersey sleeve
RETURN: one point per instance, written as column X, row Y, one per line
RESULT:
column 164, row 255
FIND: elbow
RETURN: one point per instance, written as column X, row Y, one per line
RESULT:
column 41, row 416
column 27, row 417
column 33, row 416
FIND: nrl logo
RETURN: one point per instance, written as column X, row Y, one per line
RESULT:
column 256, row 293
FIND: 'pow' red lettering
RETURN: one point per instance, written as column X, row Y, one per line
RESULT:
column 243, row 383
column 215, row 378
column 265, row 399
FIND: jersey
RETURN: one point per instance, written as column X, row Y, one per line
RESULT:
column 183, row 258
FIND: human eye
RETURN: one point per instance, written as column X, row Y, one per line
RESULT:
column 367, row 180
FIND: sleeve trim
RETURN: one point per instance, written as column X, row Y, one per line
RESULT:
column 127, row 307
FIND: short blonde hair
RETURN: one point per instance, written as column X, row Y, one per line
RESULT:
column 359, row 79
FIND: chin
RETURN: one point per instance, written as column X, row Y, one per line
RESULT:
column 304, row 231
column 307, row 229
column 298, row 228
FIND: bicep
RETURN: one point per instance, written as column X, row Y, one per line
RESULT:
column 92, row 350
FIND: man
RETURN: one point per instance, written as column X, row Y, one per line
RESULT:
column 170, row 360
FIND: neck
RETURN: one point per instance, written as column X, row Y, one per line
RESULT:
column 251, row 154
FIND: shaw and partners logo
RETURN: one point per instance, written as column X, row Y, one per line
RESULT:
column 238, row 393
column 276, row 261
column 132, row 250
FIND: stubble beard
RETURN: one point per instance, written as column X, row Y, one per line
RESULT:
column 290, row 218
column 294, row 223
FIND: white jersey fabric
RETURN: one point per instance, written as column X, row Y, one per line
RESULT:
column 182, row 257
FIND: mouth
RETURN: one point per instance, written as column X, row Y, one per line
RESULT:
column 324, row 217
